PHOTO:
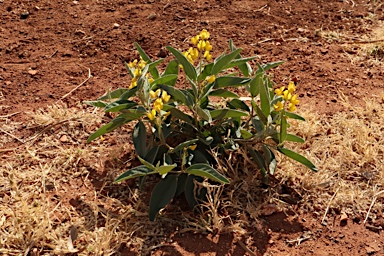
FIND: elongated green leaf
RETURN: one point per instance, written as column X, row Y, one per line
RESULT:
column 126, row 95
column 245, row 134
column 258, row 160
column 164, row 169
column 193, row 194
column 227, row 113
column 155, row 154
column 206, row 171
column 294, row 116
column 114, row 94
column 139, row 138
column 189, row 69
column 154, row 72
column 133, row 114
column 181, row 183
column 119, row 105
column 96, row 103
column 245, row 68
column 130, row 70
column 135, row 172
column 180, row 115
column 162, row 195
column 271, row 65
column 283, row 129
column 166, row 79
column 185, row 144
column 115, row 123
column 259, row 113
column 152, row 65
column 204, row 114
column 270, row 159
column 177, row 95
column 236, row 103
column 172, row 69
column 147, row 164
column 297, row 157
column 223, row 93
column 223, row 61
column 230, row 81
column 255, row 84
column 294, row 138
column 207, row 71
column 264, row 100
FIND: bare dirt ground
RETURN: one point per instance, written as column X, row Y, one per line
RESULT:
column 65, row 52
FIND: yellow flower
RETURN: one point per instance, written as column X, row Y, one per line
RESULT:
column 204, row 34
column 165, row 115
column 291, row 107
column 291, row 87
column 152, row 94
column 195, row 39
column 137, row 72
column 192, row 147
column 211, row 79
column 207, row 55
column 208, row 46
column 150, row 80
column 188, row 56
column 132, row 64
column 201, row 45
column 278, row 106
column 287, row 95
column 165, row 97
column 194, row 53
column 152, row 114
column 279, row 91
column 158, row 105
column 294, row 100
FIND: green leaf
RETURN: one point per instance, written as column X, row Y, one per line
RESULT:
column 270, row 159
column 297, row 157
column 166, row 79
column 204, row 114
column 271, row 65
column 180, row 115
column 133, row 114
column 259, row 113
column 283, row 129
column 130, row 70
column 181, row 183
column 154, row 72
column 207, row 71
column 152, row 65
column 114, row 94
column 164, row 169
column 177, row 95
column 232, row 81
column 96, row 103
column 245, row 68
column 255, row 84
column 189, row 69
column 156, row 154
column 135, row 172
column 206, row 171
column 162, row 194
column 258, row 124
column 294, row 138
column 224, row 60
column 171, row 69
column 192, row 194
column 223, row 93
column 147, row 164
column 245, row 134
column 115, row 123
column 227, row 113
column 185, row 144
column 258, row 160
column 238, row 104
column 294, row 116
column 139, row 138
column 264, row 100
column 118, row 105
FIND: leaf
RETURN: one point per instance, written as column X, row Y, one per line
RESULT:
column 264, row 101
column 294, row 138
column 223, row 93
column 162, row 194
column 283, row 129
column 139, row 138
column 259, row 113
column 227, row 113
column 147, row 164
column 255, row 84
column 245, row 134
column 238, row 104
column 177, row 94
column 294, row 116
column 133, row 114
column 115, row 123
column 171, row 69
column 155, row 154
column 270, row 159
column 204, row 114
column 297, row 157
column 192, row 194
column 135, row 172
column 258, row 160
column 180, row 115
column 189, row 69
column 96, row 103
column 224, row 60
column 257, row 124
column 206, row 171
column 245, row 68
column 271, row 65
column 154, row 72
column 118, row 105
column 232, row 81
column 127, row 94
column 166, row 79
column 185, row 144
column 181, row 184
column 164, row 169
column 114, row 94
column 207, row 71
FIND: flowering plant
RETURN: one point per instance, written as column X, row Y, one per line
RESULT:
column 180, row 132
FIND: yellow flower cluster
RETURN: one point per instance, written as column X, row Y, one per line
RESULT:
column 203, row 47
column 138, row 66
column 288, row 97
column 160, row 98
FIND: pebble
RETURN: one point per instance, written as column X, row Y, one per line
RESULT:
column 24, row 15
column 32, row 72
column 115, row 25
column 64, row 138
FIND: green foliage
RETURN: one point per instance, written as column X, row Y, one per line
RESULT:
column 177, row 129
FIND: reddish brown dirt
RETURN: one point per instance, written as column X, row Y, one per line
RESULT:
column 47, row 53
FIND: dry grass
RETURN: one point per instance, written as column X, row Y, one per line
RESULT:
column 55, row 183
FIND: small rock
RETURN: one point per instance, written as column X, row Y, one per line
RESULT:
column 115, row 25
column 24, row 15
column 32, row 72
column 152, row 16
column 162, row 53
column 64, row 138
column 8, row 82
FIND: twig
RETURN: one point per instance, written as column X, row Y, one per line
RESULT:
column 329, row 204
column 246, row 248
column 362, row 42
column 373, row 202
column 9, row 115
column 74, row 89
column 13, row 136
column 53, row 54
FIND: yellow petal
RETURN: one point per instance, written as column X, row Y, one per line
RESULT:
column 279, row 91
column 165, row 97
column 291, row 87
column 211, row 79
